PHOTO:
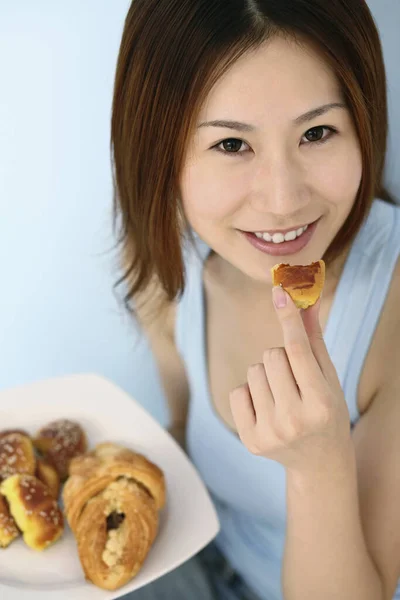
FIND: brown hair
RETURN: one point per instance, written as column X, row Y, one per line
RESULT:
column 172, row 52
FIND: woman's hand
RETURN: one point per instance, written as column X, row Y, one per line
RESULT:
column 292, row 408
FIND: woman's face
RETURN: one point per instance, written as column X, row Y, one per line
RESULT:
column 282, row 169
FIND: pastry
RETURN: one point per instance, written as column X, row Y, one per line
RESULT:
column 303, row 283
column 48, row 475
column 16, row 455
column 8, row 431
column 113, row 461
column 34, row 509
column 8, row 528
column 115, row 533
column 58, row 442
column 111, row 501
column 94, row 471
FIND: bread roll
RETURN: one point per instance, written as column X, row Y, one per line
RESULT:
column 58, row 442
column 34, row 509
column 8, row 528
column 16, row 455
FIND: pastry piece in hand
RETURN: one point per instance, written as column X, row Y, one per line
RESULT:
column 34, row 509
column 111, row 502
column 16, row 455
column 48, row 475
column 59, row 441
column 8, row 528
column 303, row 283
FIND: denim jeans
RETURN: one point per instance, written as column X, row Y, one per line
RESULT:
column 207, row 576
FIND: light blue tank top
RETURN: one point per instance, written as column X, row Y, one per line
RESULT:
column 249, row 491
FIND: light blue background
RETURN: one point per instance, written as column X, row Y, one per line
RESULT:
column 58, row 311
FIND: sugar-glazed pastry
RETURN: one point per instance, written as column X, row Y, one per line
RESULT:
column 8, row 528
column 16, row 455
column 34, row 510
column 60, row 441
column 48, row 475
column 8, row 431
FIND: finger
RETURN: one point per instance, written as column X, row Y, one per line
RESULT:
column 302, row 361
column 312, row 325
column 260, row 392
column 283, row 385
column 242, row 410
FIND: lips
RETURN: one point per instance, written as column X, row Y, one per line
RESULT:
column 284, row 248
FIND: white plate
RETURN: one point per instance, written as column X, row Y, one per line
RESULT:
column 188, row 522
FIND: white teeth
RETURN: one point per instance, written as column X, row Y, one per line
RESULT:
column 278, row 238
column 290, row 236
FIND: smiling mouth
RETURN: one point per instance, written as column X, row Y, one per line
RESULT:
column 284, row 235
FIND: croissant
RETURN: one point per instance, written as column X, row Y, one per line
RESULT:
column 112, row 460
column 35, row 511
column 8, row 528
column 111, row 502
column 303, row 283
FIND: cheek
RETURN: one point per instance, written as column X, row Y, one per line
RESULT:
column 339, row 177
column 210, row 194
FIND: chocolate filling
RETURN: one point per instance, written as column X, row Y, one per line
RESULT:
column 114, row 520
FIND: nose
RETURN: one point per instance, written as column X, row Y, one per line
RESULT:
column 279, row 186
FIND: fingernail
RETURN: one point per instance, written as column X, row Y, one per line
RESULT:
column 279, row 297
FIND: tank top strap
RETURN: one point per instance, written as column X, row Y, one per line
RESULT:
column 360, row 296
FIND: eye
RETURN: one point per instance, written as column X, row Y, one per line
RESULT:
column 319, row 135
column 230, row 146
column 315, row 135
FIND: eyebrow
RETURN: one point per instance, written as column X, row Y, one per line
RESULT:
column 308, row 116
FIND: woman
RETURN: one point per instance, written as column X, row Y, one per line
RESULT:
column 247, row 133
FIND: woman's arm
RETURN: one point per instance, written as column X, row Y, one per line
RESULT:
column 178, row 432
column 174, row 380
column 343, row 534
column 343, row 487
column 160, row 333
column 326, row 555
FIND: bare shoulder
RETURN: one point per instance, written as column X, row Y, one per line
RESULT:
column 391, row 311
column 383, row 358
column 393, row 320
column 387, row 336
